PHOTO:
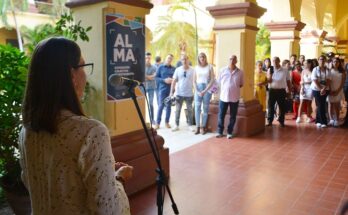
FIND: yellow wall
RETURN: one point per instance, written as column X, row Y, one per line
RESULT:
column 7, row 34
column 120, row 117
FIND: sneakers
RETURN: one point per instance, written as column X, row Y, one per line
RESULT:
column 156, row 127
column 230, row 136
column 331, row 123
column 298, row 120
column 168, row 126
column 176, row 128
column 321, row 125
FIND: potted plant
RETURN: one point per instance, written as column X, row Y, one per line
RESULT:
column 13, row 74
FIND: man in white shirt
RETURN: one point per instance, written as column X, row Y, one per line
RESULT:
column 230, row 80
column 183, row 84
column 279, row 80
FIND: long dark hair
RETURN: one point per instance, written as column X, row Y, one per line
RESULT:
column 50, row 87
column 340, row 66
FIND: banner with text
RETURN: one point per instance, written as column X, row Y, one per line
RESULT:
column 125, row 50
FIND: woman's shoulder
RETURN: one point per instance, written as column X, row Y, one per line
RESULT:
column 83, row 122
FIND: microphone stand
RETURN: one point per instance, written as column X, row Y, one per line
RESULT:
column 161, row 181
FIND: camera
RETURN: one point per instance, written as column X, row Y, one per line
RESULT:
column 170, row 100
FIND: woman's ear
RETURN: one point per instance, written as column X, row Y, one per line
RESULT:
column 73, row 76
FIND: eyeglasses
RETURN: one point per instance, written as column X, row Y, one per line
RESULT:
column 184, row 74
column 88, row 68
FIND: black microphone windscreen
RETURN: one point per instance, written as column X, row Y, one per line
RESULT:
column 115, row 80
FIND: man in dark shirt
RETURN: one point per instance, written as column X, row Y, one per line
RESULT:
column 164, row 78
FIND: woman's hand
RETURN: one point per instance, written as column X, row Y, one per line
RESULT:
column 125, row 172
column 119, row 165
column 323, row 91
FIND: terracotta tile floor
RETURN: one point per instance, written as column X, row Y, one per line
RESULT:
column 297, row 170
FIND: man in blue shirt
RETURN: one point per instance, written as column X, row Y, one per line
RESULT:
column 164, row 78
column 150, row 83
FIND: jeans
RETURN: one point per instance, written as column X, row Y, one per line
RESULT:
column 233, row 115
column 276, row 95
column 320, row 101
column 150, row 96
column 179, row 100
column 198, row 106
column 161, row 97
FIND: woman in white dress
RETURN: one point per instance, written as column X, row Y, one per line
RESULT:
column 66, row 158
column 306, row 96
column 338, row 77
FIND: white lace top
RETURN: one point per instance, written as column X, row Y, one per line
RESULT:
column 72, row 171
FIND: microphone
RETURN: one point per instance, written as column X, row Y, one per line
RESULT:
column 116, row 80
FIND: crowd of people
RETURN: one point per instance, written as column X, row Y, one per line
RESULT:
column 292, row 86
column 280, row 87
column 193, row 85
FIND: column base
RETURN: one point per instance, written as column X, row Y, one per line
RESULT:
column 133, row 148
column 250, row 118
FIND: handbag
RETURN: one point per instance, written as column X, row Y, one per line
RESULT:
column 214, row 88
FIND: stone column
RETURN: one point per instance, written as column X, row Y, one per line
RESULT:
column 128, row 140
column 236, row 28
column 312, row 43
column 285, row 38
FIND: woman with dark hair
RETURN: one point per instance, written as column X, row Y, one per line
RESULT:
column 306, row 96
column 321, row 78
column 296, row 87
column 336, row 94
column 203, row 79
column 66, row 158
column 267, row 63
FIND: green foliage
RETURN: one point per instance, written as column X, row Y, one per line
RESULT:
column 263, row 43
column 33, row 36
column 65, row 26
column 174, row 37
column 13, row 74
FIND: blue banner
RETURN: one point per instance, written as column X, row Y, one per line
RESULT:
column 125, row 51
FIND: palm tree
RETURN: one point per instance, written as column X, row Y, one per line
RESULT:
column 175, row 37
column 180, row 5
column 12, row 6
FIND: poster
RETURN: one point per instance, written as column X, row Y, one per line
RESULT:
column 125, row 53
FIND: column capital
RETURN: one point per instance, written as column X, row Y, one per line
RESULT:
column 237, row 9
column 320, row 34
column 235, row 27
column 136, row 3
column 285, row 26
